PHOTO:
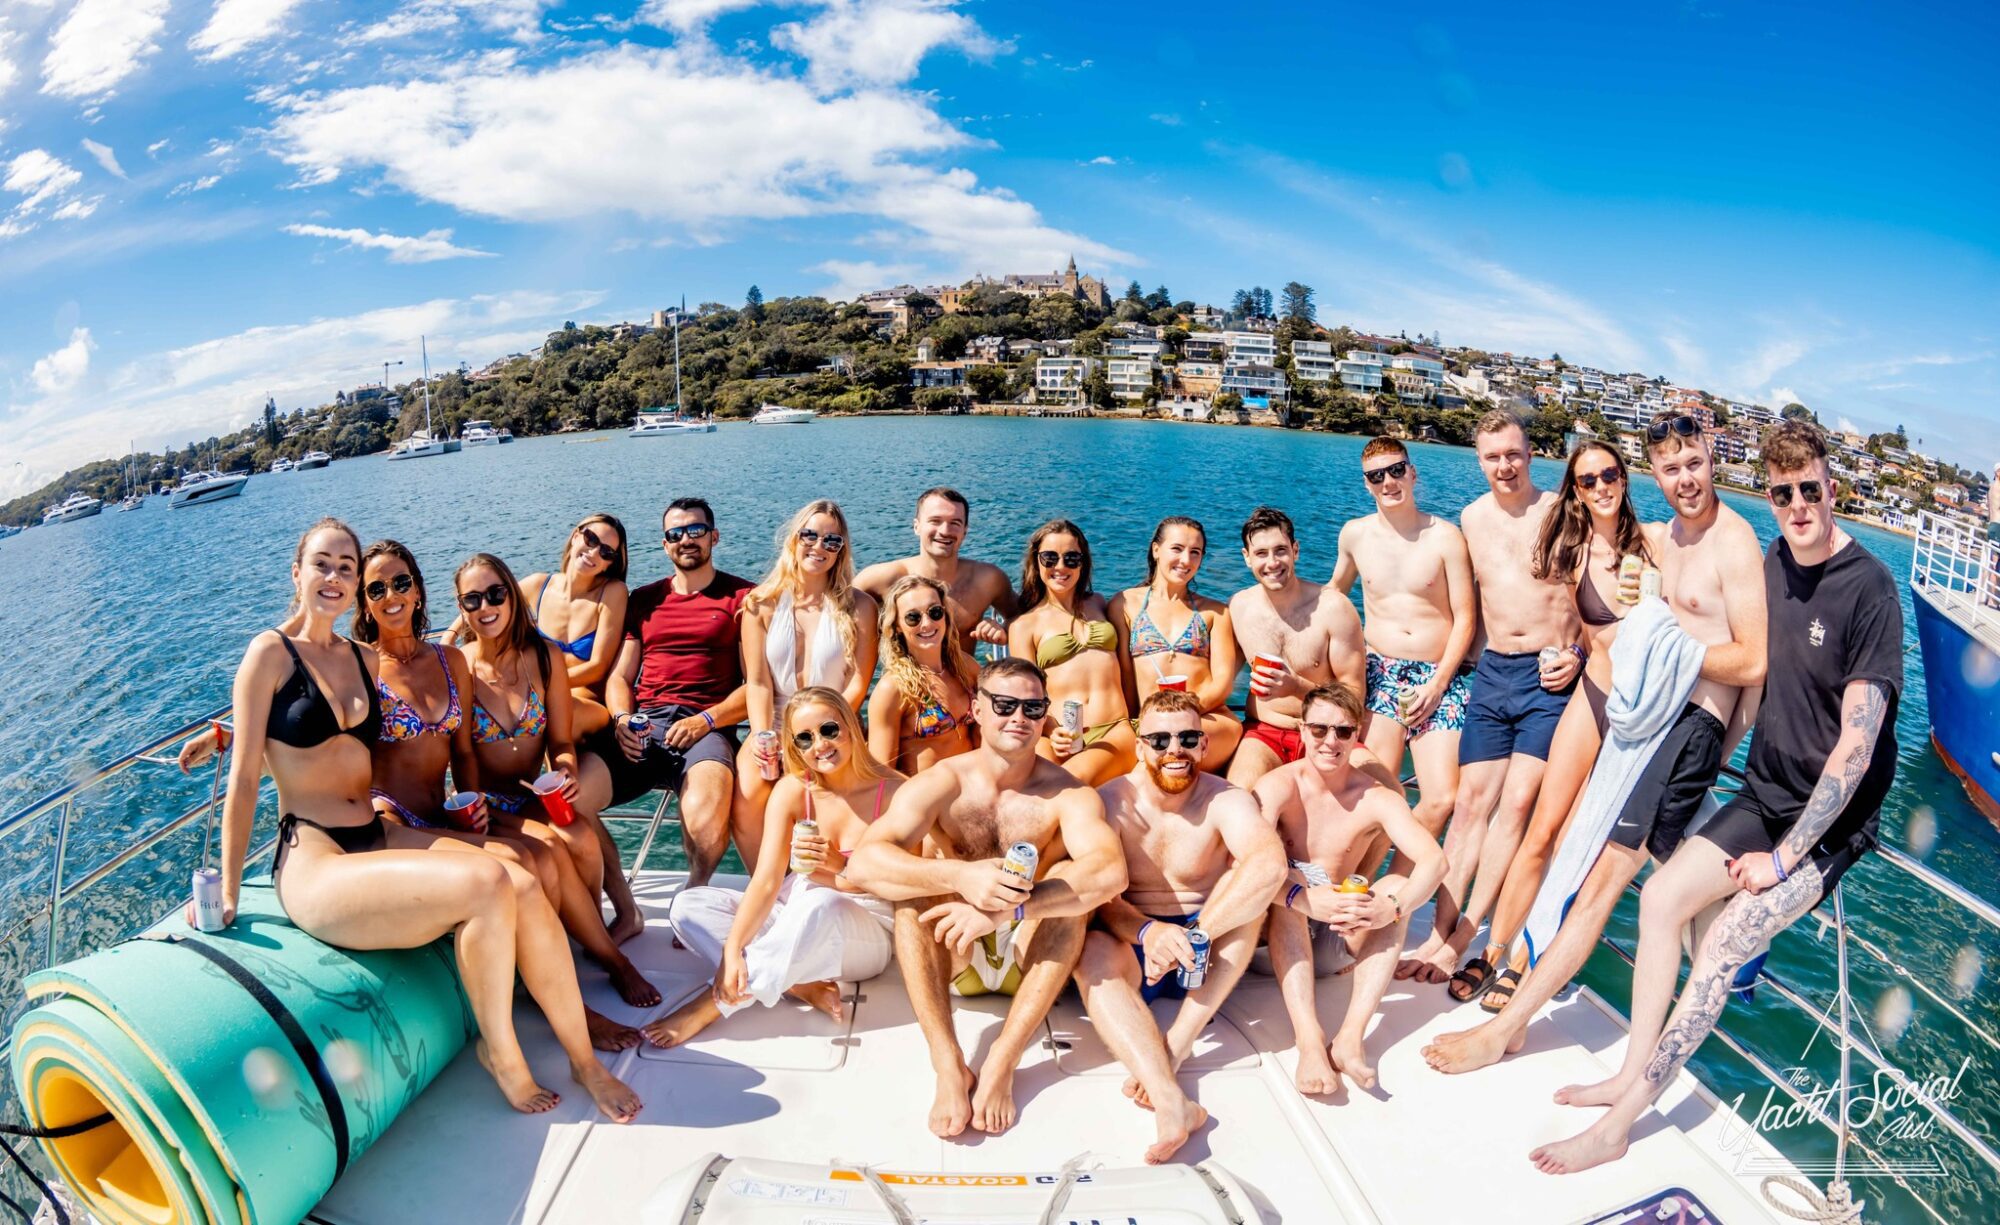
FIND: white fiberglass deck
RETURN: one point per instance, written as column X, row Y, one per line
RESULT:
column 787, row 1083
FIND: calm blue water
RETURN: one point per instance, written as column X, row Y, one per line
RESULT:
column 125, row 625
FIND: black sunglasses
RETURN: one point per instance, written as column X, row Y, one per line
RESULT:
column 830, row 541
column 693, row 531
column 829, row 731
column 1050, row 559
column 1685, row 426
column 590, row 541
column 1587, row 481
column 1397, row 470
column 379, row 590
column 496, row 595
column 913, row 618
column 1811, row 491
column 1342, row 732
column 1004, row 706
column 1158, row 741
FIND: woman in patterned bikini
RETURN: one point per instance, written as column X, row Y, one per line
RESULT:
column 1203, row 650
column 920, row 712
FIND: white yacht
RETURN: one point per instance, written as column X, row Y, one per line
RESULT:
column 281, row 464
column 778, row 414
column 132, row 501
column 419, row 445
column 478, row 434
column 314, row 459
column 207, row 486
column 78, row 505
column 653, row 423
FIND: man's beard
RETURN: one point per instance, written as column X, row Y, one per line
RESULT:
column 1173, row 784
column 697, row 564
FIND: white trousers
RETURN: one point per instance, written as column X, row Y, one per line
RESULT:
column 813, row 934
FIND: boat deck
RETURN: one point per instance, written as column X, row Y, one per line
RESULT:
column 1964, row 607
column 789, row 1083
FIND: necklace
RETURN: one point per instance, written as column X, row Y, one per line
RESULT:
column 401, row 659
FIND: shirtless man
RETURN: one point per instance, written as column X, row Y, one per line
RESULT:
column 1198, row 855
column 975, row 586
column 1310, row 626
column 1515, row 705
column 1329, row 814
column 1712, row 575
column 966, row 924
column 1418, row 609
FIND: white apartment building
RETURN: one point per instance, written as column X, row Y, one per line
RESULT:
column 1361, row 371
column 1254, row 380
column 1059, row 380
column 1133, row 346
column 1260, row 348
column 1204, row 347
column 1313, row 362
column 1430, row 368
column 1130, row 377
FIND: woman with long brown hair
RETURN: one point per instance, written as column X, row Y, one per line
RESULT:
column 579, row 609
column 1200, row 650
column 921, row 710
column 1583, row 541
column 1066, row 628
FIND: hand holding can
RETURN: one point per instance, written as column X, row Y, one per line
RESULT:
column 1630, row 568
column 770, row 766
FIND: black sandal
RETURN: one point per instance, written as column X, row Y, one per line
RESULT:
column 1502, row 990
column 1471, row 981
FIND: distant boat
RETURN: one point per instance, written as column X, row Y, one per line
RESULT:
column 654, row 422
column 132, row 501
column 478, row 434
column 197, row 488
column 281, row 464
column 506, row 435
column 133, row 498
column 78, row 505
column 8, row 529
column 422, row 444
column 313, row 459
column 1955, row 592
column 778, row 414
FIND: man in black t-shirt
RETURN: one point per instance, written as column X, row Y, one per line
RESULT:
column 1821, row 761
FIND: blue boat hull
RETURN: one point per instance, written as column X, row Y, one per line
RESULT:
column 1965, row 713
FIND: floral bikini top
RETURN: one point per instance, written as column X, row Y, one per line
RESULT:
column 534, row 721
column 400, row 720
column 1147, row 639
column 934, row 718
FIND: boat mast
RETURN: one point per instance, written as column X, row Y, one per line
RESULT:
column 679, row 408
column 423, row 343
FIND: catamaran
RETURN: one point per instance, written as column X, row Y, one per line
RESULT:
column 422, row 444
column 668, row 419
column 78, row 505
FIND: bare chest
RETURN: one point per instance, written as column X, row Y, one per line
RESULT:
column 983, row 827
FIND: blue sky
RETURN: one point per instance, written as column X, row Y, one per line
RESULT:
column 202, row 201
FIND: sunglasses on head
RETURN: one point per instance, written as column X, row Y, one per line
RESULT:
column 1004, row 706
column 914, row 618
column 1395, row 471
column 830, row 541
column 692, row 531
column 1158, row 741
column 829, row 731
column 1685, row 426
column 379, row 590
column 590, row 541
column 1811, row 491
column 1068, row 560
column 1342, row 732
column 1588, row 481
column 496, row 595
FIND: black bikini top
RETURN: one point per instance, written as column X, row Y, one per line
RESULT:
column 1591, row 606
column 302, row 717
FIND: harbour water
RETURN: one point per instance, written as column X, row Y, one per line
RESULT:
column 124, row 625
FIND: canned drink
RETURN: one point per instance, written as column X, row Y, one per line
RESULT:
column 1198, row 943
column 1631, row 567
column 807, row 828
column 1650, row 584
column 1022, row 859
column 769, row 765
column 208, row 899
column 641, row 726
column 1550, row 657
column 1354, row 884
column 1406, row 703
column 1072, row 715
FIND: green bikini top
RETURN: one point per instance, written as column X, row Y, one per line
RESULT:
column 1063, row 647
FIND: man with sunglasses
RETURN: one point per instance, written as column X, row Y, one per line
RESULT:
column 1331, row 817
column 1198, row 856
column 975, row 586
column 964, row 922
column 1821, row 762
column 681, row 666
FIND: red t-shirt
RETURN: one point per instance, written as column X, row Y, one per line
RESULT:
column 688, row 644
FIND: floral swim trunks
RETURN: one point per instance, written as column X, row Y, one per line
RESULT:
column 1390, row 678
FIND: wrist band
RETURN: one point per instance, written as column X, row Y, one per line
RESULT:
column 1142, row 932
column 1779, row 865
column 1293, row 892
column 1020, row 912
column 710, row 719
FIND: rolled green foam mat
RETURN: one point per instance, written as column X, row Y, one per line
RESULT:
column 243, row 1069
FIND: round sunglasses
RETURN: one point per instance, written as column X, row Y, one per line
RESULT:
column 914, row 618
column 1069, row 559
column 1588, row 481
column 379, row 590
column 832, row 542
column 829, row 732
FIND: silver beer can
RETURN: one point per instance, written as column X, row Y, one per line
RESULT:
column 1022, row 859
column 1072, row 715
column 208, row 904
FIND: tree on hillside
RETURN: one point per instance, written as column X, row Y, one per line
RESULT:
column 1159, row 299
column 1797, row 412
column 1298, row 302
column 987, row 382
column 754, row 299
column 1055, row 316
column 1243, row 302
column 1134, row 293
column 1260, row 301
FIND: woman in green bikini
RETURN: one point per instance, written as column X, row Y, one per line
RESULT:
column 1066, row 629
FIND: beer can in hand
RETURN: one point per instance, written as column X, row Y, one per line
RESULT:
column 804, row 827
column 1198, row 943
column 1630, row 569
column 1022, row 859
column 208, row 899
column 1072, row 715
column 642, row 727
column 770, row 766
column 1549, row 658
column 1354, row 884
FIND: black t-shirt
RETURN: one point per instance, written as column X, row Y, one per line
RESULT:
column 1830, row 624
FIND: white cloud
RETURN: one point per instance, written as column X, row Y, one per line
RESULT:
column 1102, row 160
column 99, row 44
column 153, row 150
column 854, row 277
column 402, row 249
column 8, row 72
column 64, row 368
column 194, row 185
column 670, row 135
column 1163, row 117
column 854, row 43
column 234, row 25
column 1781, row 396
column 689, row 15
column 39, row 177
column 520, row 20
column 105, row 158
column 76, row 210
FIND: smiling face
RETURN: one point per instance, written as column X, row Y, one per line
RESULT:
column 487, row 621
column 1273, row 558
column 1390, row 478
column 1330, row 731
column 824, row 756
column 817, row 556
column 1061, row 577
column 1682, row 469
column 926, row 638
column 1016, row 731
column 940, row 527
column 327, row 573
column 1504, row 457
column 1607, row 477
column 589, row 562
column 1173, row 769
column 1178, row 554
column 396, row 609
column 693, row 549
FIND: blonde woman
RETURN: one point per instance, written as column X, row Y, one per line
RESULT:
column 800, row 934
column 921, row 710
column 1170, row 631
column 580, row 611
column 1066, row 629
column 806, row 624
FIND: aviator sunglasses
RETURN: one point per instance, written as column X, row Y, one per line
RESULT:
column 1588, row 481
column 1158, row 741
column 914, row 618
column 1811, row 491
column 1050, row 559
column 1004, row 706
column 1342, row 732
column 496, row 595
column 1395, row 471
column 830, row 541
column 693, row 531
column 829, row 731
column 379, row 590
column 1685, row 426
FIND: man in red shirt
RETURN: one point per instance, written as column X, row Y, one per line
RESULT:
column 680, row 666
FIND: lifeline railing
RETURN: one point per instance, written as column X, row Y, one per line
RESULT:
column 60, row 805
column 1951, row 557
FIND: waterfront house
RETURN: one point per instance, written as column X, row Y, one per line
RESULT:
column 1259, row 348
column 1204, row 347
column 1361, row 371
column 1313, row 361
column 1130, row 377
column 1059, row 380
column 1258, row 384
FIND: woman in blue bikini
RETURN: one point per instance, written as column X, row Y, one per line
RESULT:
column 920, row 712
column 580, row 611
column 1202, row 651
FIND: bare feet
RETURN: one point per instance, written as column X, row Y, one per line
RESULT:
column 631, row 985
column 824, row 996
column 1137, row 1092
column 627, row 924
column 1603, row 1093
column 993, row 1101
column 1595, row 1145
column 1176, row 1123
column 607, row 1034
column 618, row 1102
column 1437, row 958
column 1351, row 1061
column 516, row 1082
column 951, row 1110
column 1471, row 1049
column 1316, row 1074
column 684, row 1022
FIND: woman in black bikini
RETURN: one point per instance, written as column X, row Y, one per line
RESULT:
column 306, row 708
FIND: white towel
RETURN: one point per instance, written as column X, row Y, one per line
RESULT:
column 1654, row 666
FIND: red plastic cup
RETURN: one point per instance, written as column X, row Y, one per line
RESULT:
column 1269, row 663
column 1176, row 683
column 458, row 804
column 549, row 788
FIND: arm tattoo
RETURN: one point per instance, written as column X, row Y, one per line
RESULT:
column 1830, row 796
column 1747, row 922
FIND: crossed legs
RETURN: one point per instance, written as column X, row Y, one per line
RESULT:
column 1321, row 1064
